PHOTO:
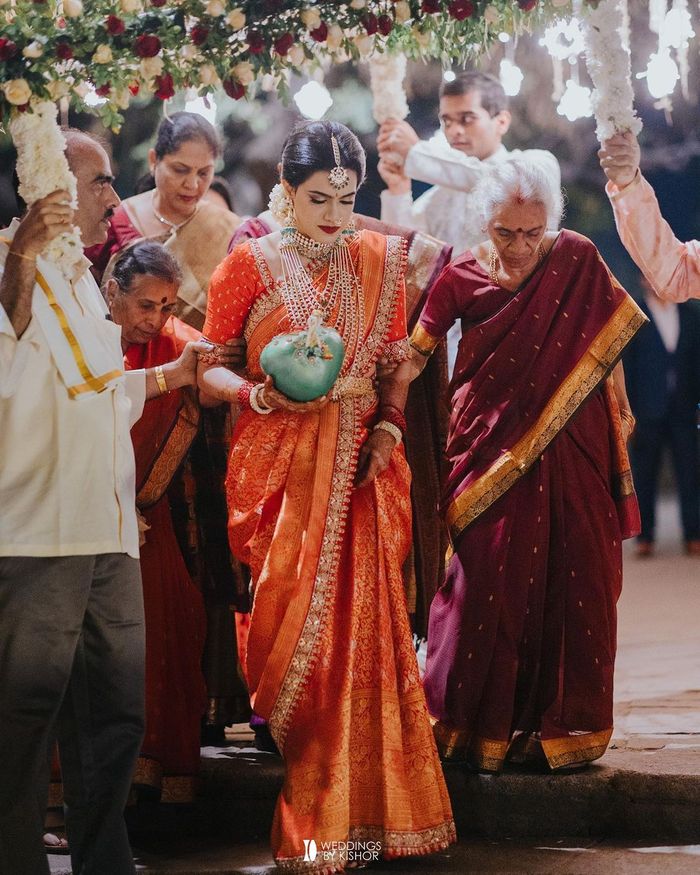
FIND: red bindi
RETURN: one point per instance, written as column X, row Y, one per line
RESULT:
column 164, row 300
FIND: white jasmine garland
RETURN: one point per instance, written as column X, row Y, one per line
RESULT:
column 280, row 205
column 42, row 168
column 387, row 73
column 608, row 62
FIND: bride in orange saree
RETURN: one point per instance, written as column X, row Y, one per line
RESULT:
column 319, row 508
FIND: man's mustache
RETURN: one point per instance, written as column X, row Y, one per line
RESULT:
column 108, row 214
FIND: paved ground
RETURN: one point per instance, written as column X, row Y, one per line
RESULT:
column 657, row 729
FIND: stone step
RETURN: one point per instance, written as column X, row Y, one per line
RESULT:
column 651, row 791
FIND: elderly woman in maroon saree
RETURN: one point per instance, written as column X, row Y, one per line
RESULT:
column 522, row 635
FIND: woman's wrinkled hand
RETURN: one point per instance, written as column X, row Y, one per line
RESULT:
column 273, row 398
column 232, row 354
column 374, row 457
column 185, row 367
column 619, row 158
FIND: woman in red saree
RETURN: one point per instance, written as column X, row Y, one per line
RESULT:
column 142, row 294
column 522, row 635
column 319, row 509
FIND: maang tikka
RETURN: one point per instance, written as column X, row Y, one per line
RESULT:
column 339, row 176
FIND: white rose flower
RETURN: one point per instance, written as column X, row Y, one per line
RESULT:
column 188, row 52
column 236, row 19
column 215, row 8
column 17, row 91
column 122, row 98
column 335, row 37
column 364, row 43
column 402, row 11
column 72, row 8
column 130, row 5
column 208, row 74
column 151, row 67
column 358, row 4
column 33, row 50
column 244, row 72
column 57, row 88
column 491, row 14
column 103, row 54
column 311, row 18
column 296, row 55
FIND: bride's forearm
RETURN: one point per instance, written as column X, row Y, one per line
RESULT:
column 218, row 382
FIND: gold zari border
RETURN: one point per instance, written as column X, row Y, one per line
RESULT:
column 575, row 749
column 584, row 378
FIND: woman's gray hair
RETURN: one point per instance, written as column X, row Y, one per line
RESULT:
column 145, row 258
column 519, row 180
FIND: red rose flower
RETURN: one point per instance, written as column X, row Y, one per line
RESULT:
column 320, row 34
column 527, row 5
column 134, row 88
column 461, row 9
column 234, row 88
column 370, row 22
column 147, row 45
column 199, row 34
column 158, row 2
column 165, row 87
column 8, row 49
column 255, row 41
column 431, row 6
column 385, row 23
column 23, row 108
column 64, row 50
column 284, row 43
column 103, row 90
column 114, row 25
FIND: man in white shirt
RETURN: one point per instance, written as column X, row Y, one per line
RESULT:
column 71, row 608
column 474, row 118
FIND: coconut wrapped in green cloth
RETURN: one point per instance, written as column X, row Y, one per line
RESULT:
column 305, row 364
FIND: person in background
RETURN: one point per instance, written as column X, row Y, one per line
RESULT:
column 219, row 193
column 175, row 213
column 521, row 640
column 662, row 367
column 474, row 118
column 672, row 268
column 71, row 604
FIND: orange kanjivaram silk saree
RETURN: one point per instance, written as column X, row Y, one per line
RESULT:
column 330, row 659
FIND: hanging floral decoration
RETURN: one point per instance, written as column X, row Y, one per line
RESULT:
column 118, row 48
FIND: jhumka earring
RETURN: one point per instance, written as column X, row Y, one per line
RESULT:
column 281, row 207
column 339, row 176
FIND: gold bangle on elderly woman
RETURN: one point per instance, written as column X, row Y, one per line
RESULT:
column 160, row 379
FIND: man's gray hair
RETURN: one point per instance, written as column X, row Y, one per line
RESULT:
column 519, row 180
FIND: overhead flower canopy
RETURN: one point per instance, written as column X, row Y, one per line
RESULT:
column 118, row 48
column 79, row 50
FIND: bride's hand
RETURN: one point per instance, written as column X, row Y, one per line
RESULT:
column 271, row 397
column 374, row 457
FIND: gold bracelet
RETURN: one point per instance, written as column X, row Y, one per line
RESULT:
column 25, row 257
column 160, row 379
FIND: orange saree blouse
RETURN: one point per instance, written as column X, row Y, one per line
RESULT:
column 330, row 658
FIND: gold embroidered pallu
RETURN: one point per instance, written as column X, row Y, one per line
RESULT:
column 330, row 660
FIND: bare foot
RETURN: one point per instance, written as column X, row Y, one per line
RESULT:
column 54, row 844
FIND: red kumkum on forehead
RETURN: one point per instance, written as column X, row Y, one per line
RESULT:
column 164, row 300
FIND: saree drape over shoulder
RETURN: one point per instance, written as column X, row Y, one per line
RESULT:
column 330, row 661
column 522, row 635
column 174, row 612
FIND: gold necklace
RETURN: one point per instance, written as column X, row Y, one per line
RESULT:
column 493, row 261
column 342, row 292
column 174, row 226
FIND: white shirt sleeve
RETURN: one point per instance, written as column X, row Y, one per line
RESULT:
column 14, row 353
column 399, row 209
column 437, row 165
column 135, row 389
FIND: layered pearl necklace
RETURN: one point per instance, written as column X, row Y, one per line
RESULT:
column 342, row 293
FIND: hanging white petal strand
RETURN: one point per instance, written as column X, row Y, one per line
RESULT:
column 387, row 72
column 42, row 168
column 608, row 63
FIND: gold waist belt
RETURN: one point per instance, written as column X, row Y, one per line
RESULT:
column 352, row 387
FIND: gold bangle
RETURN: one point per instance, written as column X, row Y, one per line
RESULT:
column 160, row 379
column 20, row 255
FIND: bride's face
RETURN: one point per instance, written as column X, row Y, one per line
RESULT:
column 321, row 211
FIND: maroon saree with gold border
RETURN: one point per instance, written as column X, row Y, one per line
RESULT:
column 522, row 634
